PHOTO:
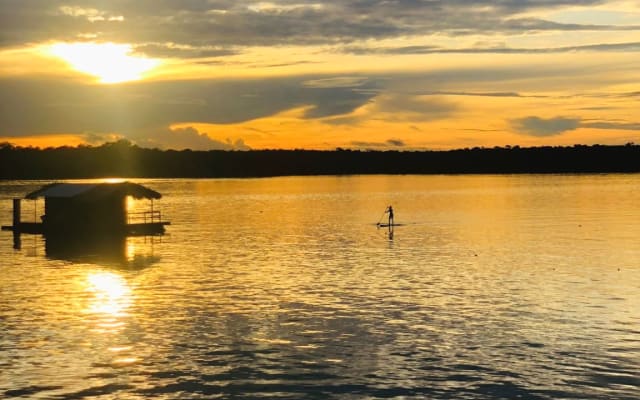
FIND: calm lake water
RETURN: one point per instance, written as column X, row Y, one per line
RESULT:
column 494, row 287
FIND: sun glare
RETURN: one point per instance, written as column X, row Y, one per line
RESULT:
column 110, row 62
column 112, row 295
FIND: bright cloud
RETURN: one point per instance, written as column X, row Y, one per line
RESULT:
column 111, row 63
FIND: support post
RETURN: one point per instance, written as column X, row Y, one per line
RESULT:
column 16, row 214
column 17, row 240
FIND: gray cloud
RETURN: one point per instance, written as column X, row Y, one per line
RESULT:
column 630, row 94
column 624, row 126
column 536, row 126
column 97, row 138
column 406, row 50
column 390, row 144
column 212, row 27
column 165, row 138
column 186, row 138
column 169, row 50
column 282, row 64
column 477, row 94
column 396, row 142
column 339, row 81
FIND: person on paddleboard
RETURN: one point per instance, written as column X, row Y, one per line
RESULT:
column 390, row 212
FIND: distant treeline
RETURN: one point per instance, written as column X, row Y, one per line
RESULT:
column 122, row 159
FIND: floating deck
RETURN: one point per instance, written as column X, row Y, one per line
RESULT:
column 140, row 229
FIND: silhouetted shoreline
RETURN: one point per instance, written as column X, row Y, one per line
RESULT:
column 122, row 159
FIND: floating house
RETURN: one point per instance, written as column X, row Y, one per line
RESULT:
column 91, row 208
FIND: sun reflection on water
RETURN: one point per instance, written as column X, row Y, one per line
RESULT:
column 112, row 296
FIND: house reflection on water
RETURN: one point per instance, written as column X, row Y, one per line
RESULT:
column 136, row 251
column 94, row 222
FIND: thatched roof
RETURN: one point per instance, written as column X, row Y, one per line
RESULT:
column 69, row 190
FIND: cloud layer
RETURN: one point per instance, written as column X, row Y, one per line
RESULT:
column 197, row 28
column 385, row 74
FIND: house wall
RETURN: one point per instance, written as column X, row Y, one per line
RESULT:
column 95, row 214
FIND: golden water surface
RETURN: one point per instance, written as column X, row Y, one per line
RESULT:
column 492, row 287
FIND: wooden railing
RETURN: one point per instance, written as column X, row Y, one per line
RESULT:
column 146, row 217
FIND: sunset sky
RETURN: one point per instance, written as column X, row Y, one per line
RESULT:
column 360, row 74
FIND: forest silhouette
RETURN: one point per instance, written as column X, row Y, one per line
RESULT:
column 124, row 159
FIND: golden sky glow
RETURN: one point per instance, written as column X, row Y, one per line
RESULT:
column 420, row 75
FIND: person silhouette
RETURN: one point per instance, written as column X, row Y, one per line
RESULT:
column 390, row 212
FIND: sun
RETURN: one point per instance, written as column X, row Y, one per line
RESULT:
column 109, row 62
